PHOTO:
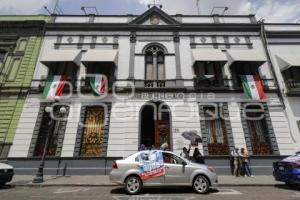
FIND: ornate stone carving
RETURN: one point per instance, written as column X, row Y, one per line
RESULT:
column 70, row 39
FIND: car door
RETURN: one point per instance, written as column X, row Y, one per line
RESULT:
column 176, row 171
column 143, row 157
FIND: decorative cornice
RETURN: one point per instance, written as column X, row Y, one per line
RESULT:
column 8, row 28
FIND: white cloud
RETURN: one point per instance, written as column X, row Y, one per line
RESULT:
column 278, row 11
column 23, row 6
column 271, row 10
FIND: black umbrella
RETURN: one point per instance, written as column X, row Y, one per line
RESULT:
column 192, row 136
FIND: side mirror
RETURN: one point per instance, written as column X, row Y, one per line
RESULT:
column 184, row 163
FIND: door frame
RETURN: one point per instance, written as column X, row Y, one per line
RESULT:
column 151, row 103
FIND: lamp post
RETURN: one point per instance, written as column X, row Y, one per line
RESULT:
column 39, row 178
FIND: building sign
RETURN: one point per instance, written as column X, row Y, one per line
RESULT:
column 171, row 95
column 151, row 164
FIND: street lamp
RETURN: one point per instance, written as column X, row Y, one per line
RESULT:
column 39, row 178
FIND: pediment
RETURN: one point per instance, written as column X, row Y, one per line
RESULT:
column 154, row 16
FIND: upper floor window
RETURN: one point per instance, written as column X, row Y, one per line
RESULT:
column 292, row 77
column 243, row 68
column 155, row 63
column 208, row 73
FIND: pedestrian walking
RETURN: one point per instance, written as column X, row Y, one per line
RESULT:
column 142, row 147
column 197, row 157
column 237, row 162
column 245, row 163
column 186, row 152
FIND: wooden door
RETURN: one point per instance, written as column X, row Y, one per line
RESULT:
column 162, row 129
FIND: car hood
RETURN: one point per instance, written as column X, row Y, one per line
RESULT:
column 5, row 166
column 294, row 158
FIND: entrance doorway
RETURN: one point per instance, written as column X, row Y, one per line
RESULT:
column 155, row 125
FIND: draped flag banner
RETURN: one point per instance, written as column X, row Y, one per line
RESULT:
column 151, row 164
column 54, row 86
column 205, row 77
column 252, row 86
column 99, row 84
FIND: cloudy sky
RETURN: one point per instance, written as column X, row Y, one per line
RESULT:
column 271, row 10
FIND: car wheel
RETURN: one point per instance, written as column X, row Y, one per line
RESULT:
column 133, row 185
column 201, row 184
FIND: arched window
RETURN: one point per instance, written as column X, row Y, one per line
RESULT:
column 155, row 63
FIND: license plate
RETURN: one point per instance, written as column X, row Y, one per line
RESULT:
column 281, row 168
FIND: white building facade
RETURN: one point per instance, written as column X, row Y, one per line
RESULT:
column 156, row 66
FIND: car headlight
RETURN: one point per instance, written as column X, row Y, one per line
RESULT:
column 211, row 169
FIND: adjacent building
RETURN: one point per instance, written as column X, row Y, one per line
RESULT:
column 20, row 41
column 167, row 75
column 283, row 47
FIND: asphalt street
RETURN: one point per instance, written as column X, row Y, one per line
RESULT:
column 279, row 192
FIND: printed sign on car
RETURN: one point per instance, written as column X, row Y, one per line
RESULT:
column 151, row 164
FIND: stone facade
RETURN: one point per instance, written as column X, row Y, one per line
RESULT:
column 187, row 42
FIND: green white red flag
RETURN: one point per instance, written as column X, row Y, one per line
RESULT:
column 54, row 86
column 203, row 77
column 98, row 83
column 252, row 86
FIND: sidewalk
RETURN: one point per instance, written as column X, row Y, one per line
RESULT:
column 100, row 180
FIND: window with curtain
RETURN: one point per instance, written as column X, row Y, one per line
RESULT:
column 216, row 131
column 258, row 130
column 155, row 63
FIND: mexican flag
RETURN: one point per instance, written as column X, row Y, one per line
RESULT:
column 205, row 77
column 54, row 86
column 252, row 86
column 99, row 84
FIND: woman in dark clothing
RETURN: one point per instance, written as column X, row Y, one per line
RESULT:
column 197, row 156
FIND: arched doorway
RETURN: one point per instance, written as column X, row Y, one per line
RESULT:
column 155, row 125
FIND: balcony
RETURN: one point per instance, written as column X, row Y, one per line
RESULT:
column 293, row 87
column 154, row 84
column 211, row 84
column 168, row 85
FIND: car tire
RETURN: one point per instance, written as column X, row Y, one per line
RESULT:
column 133, row 185
column 201, row 184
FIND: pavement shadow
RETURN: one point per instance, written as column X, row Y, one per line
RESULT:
column 287, row 187
column 6, row 187
column 161, row 190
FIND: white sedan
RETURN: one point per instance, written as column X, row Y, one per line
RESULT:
column 6, row 173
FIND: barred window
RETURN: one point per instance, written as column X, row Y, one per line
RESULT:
column 216, row 131
column 93, row 134
column 258, row 130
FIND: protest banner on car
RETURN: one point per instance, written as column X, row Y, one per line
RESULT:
column 151, row 164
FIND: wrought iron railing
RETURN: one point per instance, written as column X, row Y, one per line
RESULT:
column 83, row 85
column 155, row 83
